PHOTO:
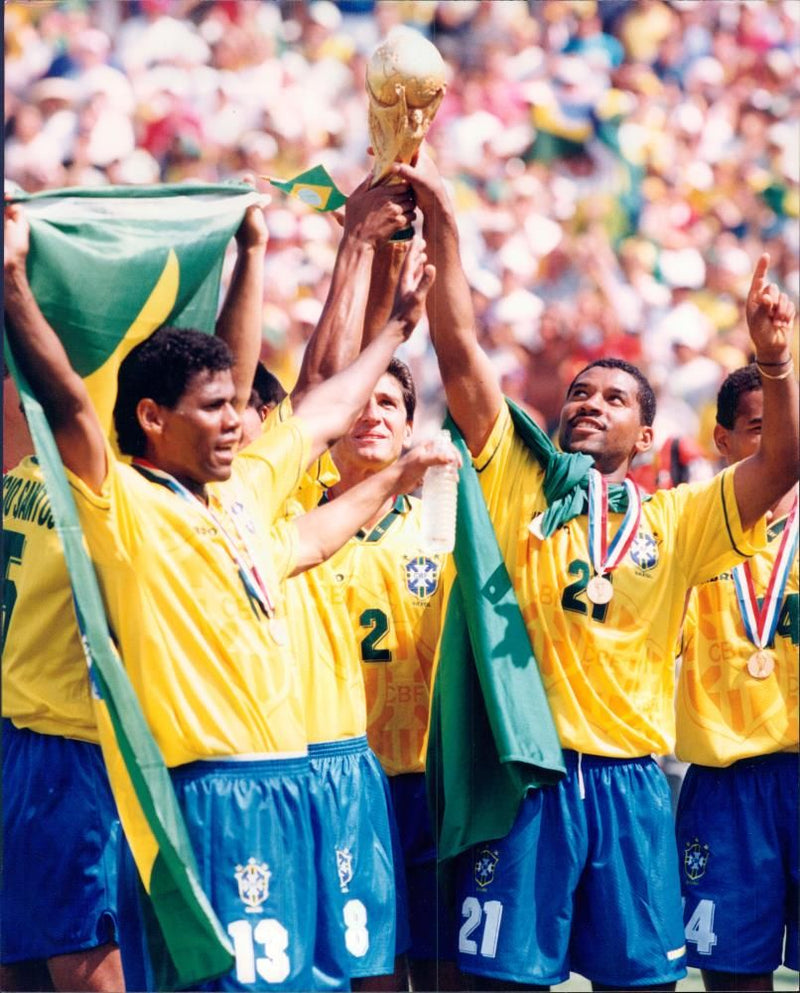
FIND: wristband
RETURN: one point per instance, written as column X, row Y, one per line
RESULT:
column 783, row 375
column 768, row 364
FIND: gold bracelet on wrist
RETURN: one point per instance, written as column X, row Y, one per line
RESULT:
column 783, row 375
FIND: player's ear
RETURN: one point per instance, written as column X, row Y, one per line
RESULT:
column 150, row 416
column 645, row 441
column 721, row 439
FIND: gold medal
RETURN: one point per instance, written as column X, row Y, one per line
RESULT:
column 760, row 664
column 279, row 630
column 535, row 527
column 599, row 590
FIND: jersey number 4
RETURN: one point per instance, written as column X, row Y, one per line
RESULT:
column 699, row 928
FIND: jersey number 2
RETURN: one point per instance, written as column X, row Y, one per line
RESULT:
column 378, row 623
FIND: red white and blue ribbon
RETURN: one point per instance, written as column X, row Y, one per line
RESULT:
column 607, row 556
column 248, row 572
column 760, row 623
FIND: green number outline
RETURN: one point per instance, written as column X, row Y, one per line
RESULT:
column 378, row 623
column 570, row 597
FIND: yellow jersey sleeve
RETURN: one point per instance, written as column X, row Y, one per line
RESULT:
column 724, row 714
column 608, row 669
column 45, row 674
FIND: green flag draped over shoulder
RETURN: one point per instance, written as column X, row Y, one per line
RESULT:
column 107, row 268
column 492, row 737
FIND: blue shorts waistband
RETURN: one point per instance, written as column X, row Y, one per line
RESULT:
column 242, row 768
column 779, row 759
column 572, row 759
column 344, row 746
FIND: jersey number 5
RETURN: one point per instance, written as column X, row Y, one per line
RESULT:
column 13, row 546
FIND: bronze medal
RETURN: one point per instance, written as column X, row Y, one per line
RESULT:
column 760, row 664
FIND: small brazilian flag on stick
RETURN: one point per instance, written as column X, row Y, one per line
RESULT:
column 314, row 187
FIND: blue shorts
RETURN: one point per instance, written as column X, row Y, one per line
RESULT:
column 364, row 906
column 737, row 839
column 429, row 912
column 61, row 837
column 249, row 822
column 585, row 881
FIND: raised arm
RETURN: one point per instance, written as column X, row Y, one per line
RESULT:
column 470, row 381
column 371, row 217
column 41, row 356
column 330, row 409
column 325, row 529
column 763, row 478
column 239, row 321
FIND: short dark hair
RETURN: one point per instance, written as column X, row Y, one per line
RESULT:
column 740, row 381
column 402, row 374
column 267, row 389
column 644, row 395
column 161, row 367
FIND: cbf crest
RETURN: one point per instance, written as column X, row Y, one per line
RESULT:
column 253, row 882
column 644, row 551
column 485, row 864
column 422, row 576
column 344, row 866
column 695, row 860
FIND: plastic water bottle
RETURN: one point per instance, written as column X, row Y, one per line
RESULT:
column 439, row 499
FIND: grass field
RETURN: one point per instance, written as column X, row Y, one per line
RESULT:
column 784, row 980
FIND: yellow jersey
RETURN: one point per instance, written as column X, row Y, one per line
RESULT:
column 393, row 594
column 45, row 675
column 608, row 669
column 214, row 673
column 323, row 639
column 723, row 713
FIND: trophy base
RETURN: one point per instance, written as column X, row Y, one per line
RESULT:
column 405, row 235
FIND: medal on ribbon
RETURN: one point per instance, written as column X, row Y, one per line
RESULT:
column 605, row 555
column 760, row 623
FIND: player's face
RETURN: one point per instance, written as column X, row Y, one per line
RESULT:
column 197, row 439
column 378, row 436
column 743, row 439
column 601, row 417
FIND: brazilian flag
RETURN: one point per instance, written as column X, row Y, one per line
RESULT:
column 108, row 267
column 315, row 188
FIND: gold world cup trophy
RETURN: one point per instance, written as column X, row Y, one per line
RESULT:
column 406, row 81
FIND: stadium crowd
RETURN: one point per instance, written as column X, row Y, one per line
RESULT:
column 616, row 167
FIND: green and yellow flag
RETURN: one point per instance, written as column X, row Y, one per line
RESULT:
column 315, row 188
column 107, row 268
